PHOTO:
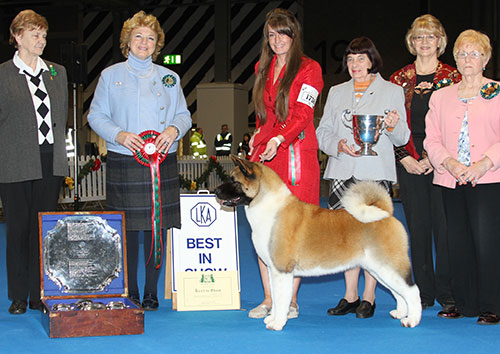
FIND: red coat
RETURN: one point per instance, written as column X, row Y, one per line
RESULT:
column 407, row 78
column 305, row 89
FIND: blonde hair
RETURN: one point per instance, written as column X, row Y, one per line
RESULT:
column 471, row 36
column 283, row 22
column 26, row 20
column 141, row 19
column 428, row 24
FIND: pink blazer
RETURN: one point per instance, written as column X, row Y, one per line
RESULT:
column 443, row 123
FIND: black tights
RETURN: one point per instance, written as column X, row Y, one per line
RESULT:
column 152, row 274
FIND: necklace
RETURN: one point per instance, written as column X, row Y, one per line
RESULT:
column 138, row 75
column 420, row 71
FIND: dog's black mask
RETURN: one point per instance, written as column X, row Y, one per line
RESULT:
column 231, row 194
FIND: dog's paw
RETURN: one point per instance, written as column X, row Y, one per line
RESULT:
column 410, row 322
column 268, row 319
column 275, row 325
column 397, row 314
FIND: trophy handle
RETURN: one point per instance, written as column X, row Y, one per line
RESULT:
column 382, row 121
column 347, row 118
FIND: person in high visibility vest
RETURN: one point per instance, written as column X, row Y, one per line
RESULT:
column 223, row 141
column 198, row 145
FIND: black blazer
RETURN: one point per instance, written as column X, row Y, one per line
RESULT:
column 19, row 149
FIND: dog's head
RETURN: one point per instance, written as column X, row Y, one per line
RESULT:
column 244, row 185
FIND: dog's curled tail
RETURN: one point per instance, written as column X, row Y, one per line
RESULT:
column 368, row 201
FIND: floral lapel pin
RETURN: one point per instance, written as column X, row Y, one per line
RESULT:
column 53, row 72
column 442, row 83
column 490, row 90
column 169, row 80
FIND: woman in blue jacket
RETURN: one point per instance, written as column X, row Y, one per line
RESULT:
column 131, row 97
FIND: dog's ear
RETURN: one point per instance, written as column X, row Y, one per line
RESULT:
column 246, row 167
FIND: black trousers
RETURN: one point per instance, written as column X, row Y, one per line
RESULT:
column 474, row 244
column 425, row 217
column 21, row 203
column 152, row 274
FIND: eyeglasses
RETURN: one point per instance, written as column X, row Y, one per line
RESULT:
column 421, row 37
column 472, row 55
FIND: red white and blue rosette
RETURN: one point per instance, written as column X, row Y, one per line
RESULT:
column 149, row 155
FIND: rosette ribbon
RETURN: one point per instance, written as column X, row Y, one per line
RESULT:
column 148, row 155
column 295, row 161
column 294, row 164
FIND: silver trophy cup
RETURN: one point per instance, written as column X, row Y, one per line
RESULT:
column 366, row 129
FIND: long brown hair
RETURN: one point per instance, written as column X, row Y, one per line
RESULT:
column 283, row 22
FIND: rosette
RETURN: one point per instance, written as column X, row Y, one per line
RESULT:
column 490, row 90
column 150, row 156
column 443, row 83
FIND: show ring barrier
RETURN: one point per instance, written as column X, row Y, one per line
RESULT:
column 92, row 187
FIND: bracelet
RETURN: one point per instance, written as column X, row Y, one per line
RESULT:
column 61, row 307
column 116, row 305
column 277, row 140
column 178, row 132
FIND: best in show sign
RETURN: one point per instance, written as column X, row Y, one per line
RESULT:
column 207, row 242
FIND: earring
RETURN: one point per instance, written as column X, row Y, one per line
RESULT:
column 484, row 68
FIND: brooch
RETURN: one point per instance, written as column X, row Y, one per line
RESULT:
column 169, row 80
column 53, row 72
column 490, row 90
column 442, row 83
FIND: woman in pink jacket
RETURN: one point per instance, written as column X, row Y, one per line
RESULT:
column 463, row 144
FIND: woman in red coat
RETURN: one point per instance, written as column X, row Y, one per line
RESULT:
column 285, row 92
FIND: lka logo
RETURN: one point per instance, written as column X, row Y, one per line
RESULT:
column 203, row 214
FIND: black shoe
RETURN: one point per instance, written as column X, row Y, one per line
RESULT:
column 488, row 318
column 365, row 310
column 35, row 305
column 344, row 307
column 150, row 302
column 18, row 307
column 136, row 299
column 450, row 312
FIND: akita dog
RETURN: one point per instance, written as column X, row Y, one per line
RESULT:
column 294, row 238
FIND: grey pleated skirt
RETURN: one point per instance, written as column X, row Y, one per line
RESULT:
column 128, row 189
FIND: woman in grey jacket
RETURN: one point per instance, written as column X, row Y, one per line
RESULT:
column 33, row 114
column 366, row 93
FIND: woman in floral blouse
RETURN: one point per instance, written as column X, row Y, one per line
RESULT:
column 422, row 201
column 463, row 144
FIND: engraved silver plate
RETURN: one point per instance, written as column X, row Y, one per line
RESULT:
column 82, row 253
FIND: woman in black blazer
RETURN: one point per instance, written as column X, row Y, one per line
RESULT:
column 33, row 115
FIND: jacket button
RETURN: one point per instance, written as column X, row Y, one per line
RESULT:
column 162, row 108
column 159, row 94
column 162, row 122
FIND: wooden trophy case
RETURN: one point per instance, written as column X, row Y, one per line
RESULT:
column 83, row 275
